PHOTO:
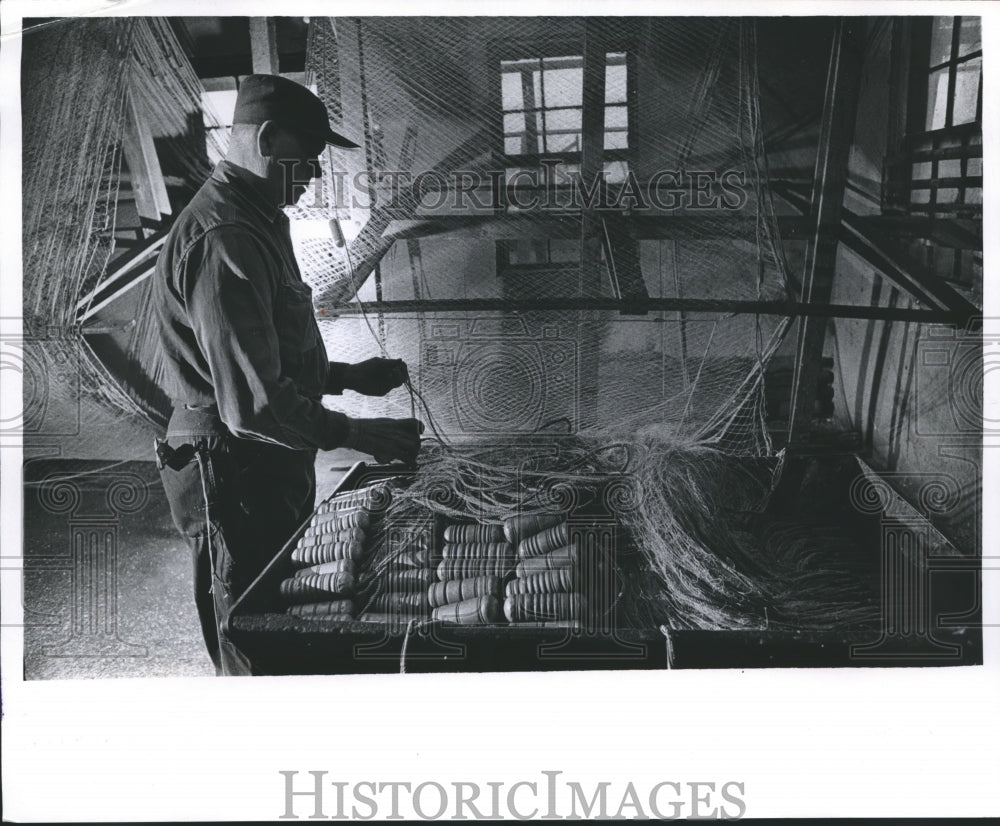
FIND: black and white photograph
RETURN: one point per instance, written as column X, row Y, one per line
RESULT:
column 547, row 356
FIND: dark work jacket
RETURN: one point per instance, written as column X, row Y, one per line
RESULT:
column 236, row 320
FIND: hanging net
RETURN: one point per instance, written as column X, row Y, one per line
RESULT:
column 527, row 192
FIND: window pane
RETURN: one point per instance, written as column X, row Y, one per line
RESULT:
column 511, row 86
column 974, row 167
column 941, row 40
column 536, row 85
column 562, row 130
column 614, row 84
column 966, row 90
column 921, row 171
column 513, row 124
column 564, row 119
column 563, row 87
column 920, row 196
column 563, row 143
column 616, row 140
column 947, row 196
column 950, row 169
column 513, row 146
column 974, row 195
column 970, row 36
column 615, row 116
column 937, row 99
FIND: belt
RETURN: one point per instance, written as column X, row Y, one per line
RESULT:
column 196, row 420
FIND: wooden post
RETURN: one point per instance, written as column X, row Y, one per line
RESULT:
column 264, row 45
column 836, row 134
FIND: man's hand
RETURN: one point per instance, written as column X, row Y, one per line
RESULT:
column 375, row 376
column 385, row 439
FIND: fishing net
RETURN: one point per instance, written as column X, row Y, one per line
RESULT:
column 518, row 177
column 445, row 104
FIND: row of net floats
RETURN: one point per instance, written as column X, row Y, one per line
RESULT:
column 526, row 572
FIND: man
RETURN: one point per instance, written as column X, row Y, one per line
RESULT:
column 245, row 363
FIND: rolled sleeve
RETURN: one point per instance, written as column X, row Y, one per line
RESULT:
column 231, row 290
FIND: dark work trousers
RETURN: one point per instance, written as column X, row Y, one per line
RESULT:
column 257, row 494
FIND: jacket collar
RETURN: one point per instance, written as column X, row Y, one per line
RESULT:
column 249, row 187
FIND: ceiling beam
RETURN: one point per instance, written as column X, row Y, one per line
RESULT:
column 687, row 305
column 649, row 227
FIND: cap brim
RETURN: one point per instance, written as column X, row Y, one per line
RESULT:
column 339, row 140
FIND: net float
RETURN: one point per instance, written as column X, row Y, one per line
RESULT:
column 338, row 608
column 413, row 579
column 567, row 555
column 316, row 554
column 478, row 550
column 543, row 607
column 516, row 528
column 319, row 538
column 415, row 603
column 557, row 580
column 457, row 590
column 315, row 586
column 461, row 534
column 336, row 566
column 462, row 568
column 483, row 610
column 544, row 541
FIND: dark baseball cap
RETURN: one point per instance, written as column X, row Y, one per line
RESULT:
column 271, row 97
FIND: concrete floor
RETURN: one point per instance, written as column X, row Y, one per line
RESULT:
column 107, row 579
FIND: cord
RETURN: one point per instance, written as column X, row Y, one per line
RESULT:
column 415, row 395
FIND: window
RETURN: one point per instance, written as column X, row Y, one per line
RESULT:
column 954, row 74
column 937, row 170
column 542, row 101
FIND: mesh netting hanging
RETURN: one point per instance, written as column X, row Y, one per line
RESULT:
column 440, row 101
column 543, row 379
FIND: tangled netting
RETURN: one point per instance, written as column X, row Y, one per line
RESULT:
column 694, row 552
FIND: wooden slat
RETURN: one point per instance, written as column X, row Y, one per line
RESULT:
column 146, row 176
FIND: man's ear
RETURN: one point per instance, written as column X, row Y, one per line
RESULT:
column 267, row 134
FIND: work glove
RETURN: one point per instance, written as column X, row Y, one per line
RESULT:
column 385, row 439
column 375, row 376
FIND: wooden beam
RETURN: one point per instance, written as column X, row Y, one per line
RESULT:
column 125, row 273
column 592, row 150
column 688, row 305
column 148, row 185
column 650, row 227
column 865, row 236
column 836, row 135
column 264, row 45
